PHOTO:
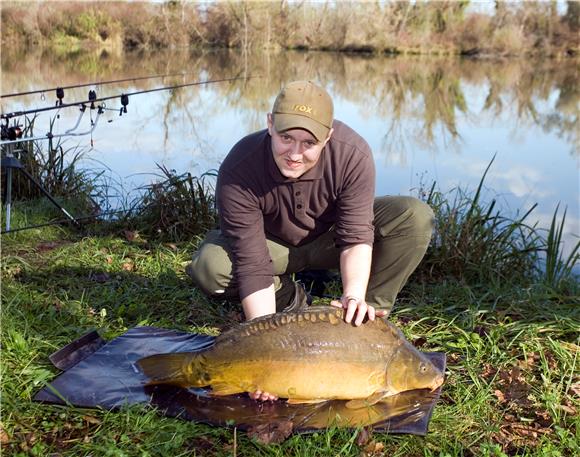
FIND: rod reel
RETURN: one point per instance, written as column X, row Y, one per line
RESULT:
column 59, row 96
column 124, row 103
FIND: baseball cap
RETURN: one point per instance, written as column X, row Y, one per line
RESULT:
column 303, row 105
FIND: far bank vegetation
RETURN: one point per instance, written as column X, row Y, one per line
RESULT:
column 420, row 27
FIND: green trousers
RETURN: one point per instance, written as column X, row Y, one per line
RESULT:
column 403, row 227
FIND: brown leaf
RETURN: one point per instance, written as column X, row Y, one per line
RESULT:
column 509, row 418
column 172, row 246
column 272, row 433
column 130, row 235
column 489, row 371
column 4, row 437
column 109, row 259
column 92, row 420
column 552, row 362
column 48, row 246
column 373, row 449
column 570, row 409
column 543, row 418
column 419, row 342
column 575, row 389
column 530, row 361
column 453, row 357
column 500, row 396
column 516, row 374
column 128, row 265
column 363, row 436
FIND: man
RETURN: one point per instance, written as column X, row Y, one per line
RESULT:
column 300, row 195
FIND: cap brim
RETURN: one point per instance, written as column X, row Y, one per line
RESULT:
column 283, row 122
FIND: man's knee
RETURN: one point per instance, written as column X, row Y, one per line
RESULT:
column 403, row 214
column 210, row 269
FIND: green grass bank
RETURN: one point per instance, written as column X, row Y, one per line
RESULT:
column 509, row 329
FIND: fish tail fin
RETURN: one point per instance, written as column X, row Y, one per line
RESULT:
column 179, row 369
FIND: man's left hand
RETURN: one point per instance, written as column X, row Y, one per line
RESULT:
column 357, row 309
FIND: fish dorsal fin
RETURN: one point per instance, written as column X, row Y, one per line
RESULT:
column 270, row 322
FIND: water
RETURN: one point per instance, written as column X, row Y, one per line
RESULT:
column 426, row 118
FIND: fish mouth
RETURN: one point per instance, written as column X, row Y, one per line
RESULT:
column 437, row 383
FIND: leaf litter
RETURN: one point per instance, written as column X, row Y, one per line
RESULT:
column 524, row 422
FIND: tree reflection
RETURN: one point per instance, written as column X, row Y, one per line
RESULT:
column 419, row 98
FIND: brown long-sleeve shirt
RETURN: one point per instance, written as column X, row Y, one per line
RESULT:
column 256, row 201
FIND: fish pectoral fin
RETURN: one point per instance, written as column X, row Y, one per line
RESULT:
column 369, row 401
column 302, row 401
column 221, row 388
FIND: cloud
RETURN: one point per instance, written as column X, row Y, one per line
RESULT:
column 520, row 180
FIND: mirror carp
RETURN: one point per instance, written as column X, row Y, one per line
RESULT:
column 306, row 356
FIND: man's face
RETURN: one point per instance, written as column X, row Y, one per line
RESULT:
column 295, row 151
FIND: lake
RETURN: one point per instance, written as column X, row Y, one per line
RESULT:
column 426, row 118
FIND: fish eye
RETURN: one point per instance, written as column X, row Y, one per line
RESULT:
column 422, row 368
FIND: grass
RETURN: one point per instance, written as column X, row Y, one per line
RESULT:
column 512, row 386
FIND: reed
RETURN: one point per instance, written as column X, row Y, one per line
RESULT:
column 558, row 268
column 474, row 242
column 176, row 208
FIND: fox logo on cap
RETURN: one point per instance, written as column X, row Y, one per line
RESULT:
column 303, row 109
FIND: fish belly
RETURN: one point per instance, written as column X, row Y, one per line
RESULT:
column 298, row 380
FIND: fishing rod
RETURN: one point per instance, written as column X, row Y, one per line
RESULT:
column 13, row 135
column 99, row 83
column 124, row 97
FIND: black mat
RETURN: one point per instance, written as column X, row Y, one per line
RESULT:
column 99, row 374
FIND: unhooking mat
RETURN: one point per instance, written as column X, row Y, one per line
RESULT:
column 100, row 374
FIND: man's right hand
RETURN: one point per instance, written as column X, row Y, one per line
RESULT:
column 262, row 396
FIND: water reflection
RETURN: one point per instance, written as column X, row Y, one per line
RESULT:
column 428, row 91
column 407, row 412
column 445, row 117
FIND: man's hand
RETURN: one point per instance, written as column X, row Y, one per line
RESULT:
column 262, row 396
column 357, row 308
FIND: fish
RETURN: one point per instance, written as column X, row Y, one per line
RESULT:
column 306, row 356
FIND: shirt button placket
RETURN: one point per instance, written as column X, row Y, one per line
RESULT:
column 298, row 200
